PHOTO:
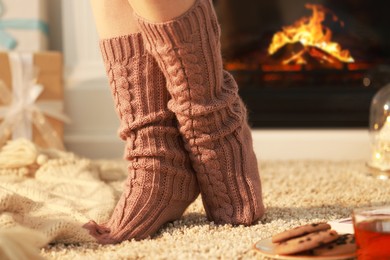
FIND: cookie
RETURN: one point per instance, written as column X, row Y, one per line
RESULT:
column 345, row 244
column 306, row 242
column 300, row 231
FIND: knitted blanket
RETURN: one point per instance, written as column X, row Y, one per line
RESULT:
column 47, row 195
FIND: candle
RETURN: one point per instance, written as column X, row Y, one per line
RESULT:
column 380, row 149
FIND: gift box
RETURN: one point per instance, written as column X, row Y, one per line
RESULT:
column 31, row 98
column 23, row 25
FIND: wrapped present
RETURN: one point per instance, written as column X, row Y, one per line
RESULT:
column 23, row 25
column 31, row 98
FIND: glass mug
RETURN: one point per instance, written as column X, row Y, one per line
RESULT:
column 372, row 232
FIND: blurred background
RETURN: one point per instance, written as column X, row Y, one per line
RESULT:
column 88, row 102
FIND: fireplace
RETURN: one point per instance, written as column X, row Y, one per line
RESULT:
column 306, row 64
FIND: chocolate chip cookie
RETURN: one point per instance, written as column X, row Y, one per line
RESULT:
column 300, row 231
column 306, row 242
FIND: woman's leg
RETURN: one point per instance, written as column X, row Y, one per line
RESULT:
column 161, row 182
column 113, row 18
column 212, row 118
column 160, row 11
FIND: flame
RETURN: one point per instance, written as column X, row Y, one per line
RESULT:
column 309, row 31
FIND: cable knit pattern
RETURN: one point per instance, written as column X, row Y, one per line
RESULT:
column 161, row 182
column 211, row 115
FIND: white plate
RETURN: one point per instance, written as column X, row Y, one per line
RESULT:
column 267, row 248
column 342, row 226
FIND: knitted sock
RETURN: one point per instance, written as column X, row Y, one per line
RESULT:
column 211, row 115
column 161, row 182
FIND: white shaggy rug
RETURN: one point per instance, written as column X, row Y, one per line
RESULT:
column 46, row 196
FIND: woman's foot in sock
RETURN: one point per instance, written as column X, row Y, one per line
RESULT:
column 149, row 201
column 161, row 183
column 212, row 118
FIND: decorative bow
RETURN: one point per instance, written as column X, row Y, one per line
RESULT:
column 22, row 108
column 7, row 40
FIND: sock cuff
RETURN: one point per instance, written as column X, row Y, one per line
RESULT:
column 200, row 17
column 122, row 48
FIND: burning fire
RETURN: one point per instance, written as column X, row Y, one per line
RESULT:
column 310, row 32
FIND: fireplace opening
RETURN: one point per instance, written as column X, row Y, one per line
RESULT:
column 306, row 63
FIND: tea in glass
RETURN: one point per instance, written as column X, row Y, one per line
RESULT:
column 372, row 232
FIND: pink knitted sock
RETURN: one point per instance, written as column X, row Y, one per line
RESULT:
column 161, row 182
column 211, row 115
